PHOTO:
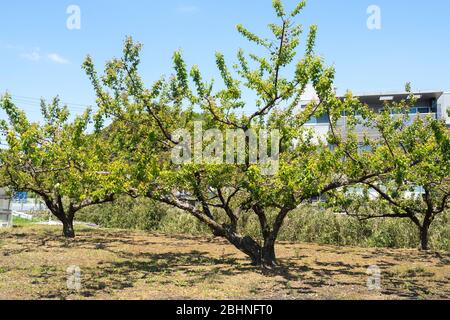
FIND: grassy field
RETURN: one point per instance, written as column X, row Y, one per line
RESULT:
column 118, row 264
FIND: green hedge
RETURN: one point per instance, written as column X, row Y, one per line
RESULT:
column 306, row 224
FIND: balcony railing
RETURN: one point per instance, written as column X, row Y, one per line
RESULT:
column 373, row 132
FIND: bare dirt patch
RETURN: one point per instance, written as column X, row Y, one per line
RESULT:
column 118, row 264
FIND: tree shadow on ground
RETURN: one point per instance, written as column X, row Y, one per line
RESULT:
column 195, row 267
column 410, row 284
column 50, row 239
column 293, row 276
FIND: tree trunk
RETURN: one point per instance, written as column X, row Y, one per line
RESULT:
column 262, row 257
column 246, row 245
column 68, row 230
column 269, row 259
column 424, row 238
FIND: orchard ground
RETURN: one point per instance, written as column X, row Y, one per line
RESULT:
column 117, row 264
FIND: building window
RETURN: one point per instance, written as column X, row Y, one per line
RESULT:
column 319, row 120
column 364, row 148
column 420, row 109
column 416, row 110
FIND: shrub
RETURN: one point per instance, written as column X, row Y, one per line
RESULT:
column 126, row 213
column 178, row 222
column 309, row 223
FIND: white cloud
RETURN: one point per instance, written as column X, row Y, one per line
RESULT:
column 34, row 55
column 187, row 9
column 56, row 58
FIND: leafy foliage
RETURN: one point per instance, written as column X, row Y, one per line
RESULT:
column 410, row 165
column 57, row 160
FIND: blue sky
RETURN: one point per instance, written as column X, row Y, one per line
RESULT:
column 40, row 57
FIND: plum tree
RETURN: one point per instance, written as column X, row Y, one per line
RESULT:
column 219, row 193
column 58, row 159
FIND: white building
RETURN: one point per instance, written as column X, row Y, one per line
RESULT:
column 435, row 103
column 5, row 212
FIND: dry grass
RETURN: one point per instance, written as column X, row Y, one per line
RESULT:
column 134, row 265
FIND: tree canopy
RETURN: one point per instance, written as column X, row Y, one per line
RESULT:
column 410, row 154
column 57, row 159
